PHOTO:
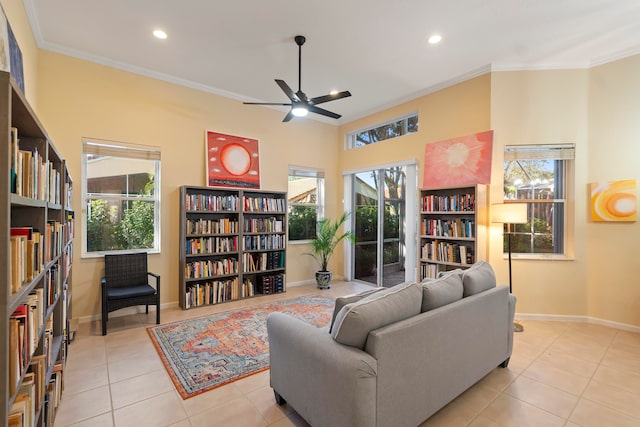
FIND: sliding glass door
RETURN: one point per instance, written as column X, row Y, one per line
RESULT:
column 379, row 201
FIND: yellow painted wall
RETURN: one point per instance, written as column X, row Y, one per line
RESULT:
column 613, row 262
column 543, row 107
column 17, row 17
column 81, row 99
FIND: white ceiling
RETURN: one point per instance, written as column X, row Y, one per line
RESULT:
column 376, row 49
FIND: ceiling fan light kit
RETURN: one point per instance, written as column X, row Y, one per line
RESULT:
column 300, row 104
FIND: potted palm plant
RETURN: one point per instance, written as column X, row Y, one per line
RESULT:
column 324, row 244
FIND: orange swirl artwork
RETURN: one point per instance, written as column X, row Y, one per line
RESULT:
column 458, row 161
column 614, row 201
column 232, row 161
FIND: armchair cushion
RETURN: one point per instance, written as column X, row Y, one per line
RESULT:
column 478, row 278
column 130, row 291
column 355, row 320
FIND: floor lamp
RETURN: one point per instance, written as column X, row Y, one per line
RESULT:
column 510, row 213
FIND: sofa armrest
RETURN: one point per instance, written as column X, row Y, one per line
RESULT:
column 327, row 383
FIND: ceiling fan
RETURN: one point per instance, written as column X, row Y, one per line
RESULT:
column 300, row 104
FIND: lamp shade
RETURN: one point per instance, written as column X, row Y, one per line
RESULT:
column 509, row 213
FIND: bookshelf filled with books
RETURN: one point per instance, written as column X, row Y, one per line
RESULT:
column 36, row 235
column 232, row 244
column 451, row 226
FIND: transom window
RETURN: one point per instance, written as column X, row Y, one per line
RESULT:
column 539, row 176
column 306, row 202
column 387, row 130
column 120, row 197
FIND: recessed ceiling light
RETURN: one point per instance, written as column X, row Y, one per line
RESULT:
column 160, row 34
column 435, row 39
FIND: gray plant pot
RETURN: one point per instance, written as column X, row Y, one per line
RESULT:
column 323, row 279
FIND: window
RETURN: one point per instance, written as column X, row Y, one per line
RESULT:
column 539, row 176
column 120, row 197
column 306, row 202
column 391, row 129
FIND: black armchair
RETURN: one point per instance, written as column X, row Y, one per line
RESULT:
column 126, row 284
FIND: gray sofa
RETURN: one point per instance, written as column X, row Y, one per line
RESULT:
column 389, row 361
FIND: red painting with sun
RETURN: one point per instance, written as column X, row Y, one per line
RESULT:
column 458, row 161
column 232, row 161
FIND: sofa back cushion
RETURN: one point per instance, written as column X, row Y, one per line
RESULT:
column 355, row 320
column 441, row 291
column 478, row 278
column 349, row 299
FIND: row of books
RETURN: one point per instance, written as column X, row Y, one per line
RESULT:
column 264, row 242
column 430, row 271
column 32, row 175
column 263, row 261
column 449, row 203
column 212, row 226
column 37, row 395
column 210, row 268
column 459, row 227
column 264, row 204
column 211, row 202
column 26, row 248
column 271, row 284
column 53, row 284
column 263, row 225
column 54, row 237
column 447, row 252
column 214, row 292
column 24, row 331
column 210, row 245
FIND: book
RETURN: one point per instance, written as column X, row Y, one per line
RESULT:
column 14, row 158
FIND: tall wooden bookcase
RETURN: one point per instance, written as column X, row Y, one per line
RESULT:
column 36, row 252
column 452, row 228
column 232, row 244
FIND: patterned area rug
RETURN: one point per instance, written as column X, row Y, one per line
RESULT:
column 207, row 352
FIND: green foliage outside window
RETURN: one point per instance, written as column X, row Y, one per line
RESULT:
column 302, row 222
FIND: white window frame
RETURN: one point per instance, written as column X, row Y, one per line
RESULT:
column 351, row 136
column 566, row 153
column 299, row 171
column 126, row 150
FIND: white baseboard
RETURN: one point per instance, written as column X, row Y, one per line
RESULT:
column 127, row 311
column 579, row 319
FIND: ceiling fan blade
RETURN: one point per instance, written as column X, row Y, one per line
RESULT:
column 287, row 90
column 288, row 117
column 326, row 98
column 323, row 112
column 266, row 103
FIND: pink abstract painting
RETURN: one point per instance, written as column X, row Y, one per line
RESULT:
column 232, row 161
column 455, row 162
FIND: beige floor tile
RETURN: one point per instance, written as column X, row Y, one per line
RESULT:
column 463, row 409
column 508, row 411
column 141, row 387
column 161, row 410
column 580, row 348
column 237, row 413
column 481, row 421
column 104, row 420
column 525, row 350
column 614, row 397
column 592, row 414
column 542, row 396
column 554, row 376
column 85, row 378
column 498, row 379
column 76, row 407
column 264, row 400
column 253, row 382
column 628, row 338
column 568, row 362
column 130, row 367
column 291, row 420
column 623, row 359
column 182, row 423
column 629, row 381
column 211, row 399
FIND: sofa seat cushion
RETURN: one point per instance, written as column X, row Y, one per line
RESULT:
column 349, row 299
column 478, row 278
column 355, row 320
column 441, row 291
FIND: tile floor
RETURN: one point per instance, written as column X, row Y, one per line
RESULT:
column 560, row 374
